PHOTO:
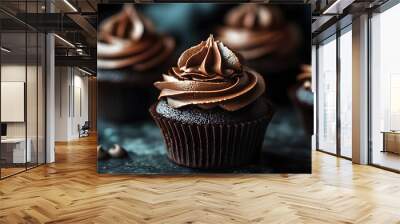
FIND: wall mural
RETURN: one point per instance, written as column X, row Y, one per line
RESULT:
column 204, row 88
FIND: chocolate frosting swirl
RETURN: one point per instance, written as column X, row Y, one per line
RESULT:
column 256, row 30
column 210, row 75
column 129, row 39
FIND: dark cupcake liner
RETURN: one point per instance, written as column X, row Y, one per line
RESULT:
column 212, row 145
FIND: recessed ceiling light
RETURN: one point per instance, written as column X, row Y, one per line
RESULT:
column 5, row 50
column 337, row 7
column 70, row 5
column 64, row 40
column 84, row 71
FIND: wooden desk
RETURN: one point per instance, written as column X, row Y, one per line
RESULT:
column 13, row 150
column 391, row 141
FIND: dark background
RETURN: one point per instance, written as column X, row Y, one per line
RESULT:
column 191, row 23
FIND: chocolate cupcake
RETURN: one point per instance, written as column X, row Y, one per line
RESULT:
column 131, row 55
column 129, row 40
column 210, row 110
column 261, row 35
column 303, row 98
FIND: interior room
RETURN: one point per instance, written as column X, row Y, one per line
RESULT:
column 385, row 111
column 22, row 99
column 334, row 70
column 72, row 106
column 49, row 144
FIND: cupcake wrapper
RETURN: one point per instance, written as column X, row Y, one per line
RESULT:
column 212, row 145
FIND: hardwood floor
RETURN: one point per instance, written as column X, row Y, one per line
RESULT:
column 387, row 159
column 10, row 171
column 70, row 191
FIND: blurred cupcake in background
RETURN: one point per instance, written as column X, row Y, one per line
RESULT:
column 131, row 55
column 265, row 40
column 261, row 35
column 129, row 40
column 303, row 98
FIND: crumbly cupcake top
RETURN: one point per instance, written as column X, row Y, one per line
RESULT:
column 210, row 75
column 256, row 30
column 129, row 39
column 305, row 76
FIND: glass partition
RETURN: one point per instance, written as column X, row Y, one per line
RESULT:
column 22, row 91
column 327, row 95
column 31, row 100
column 385, row 89
column 346, row 92
column 15, row 150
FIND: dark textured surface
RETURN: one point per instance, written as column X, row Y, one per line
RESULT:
column 195, row 115
column 285, row 149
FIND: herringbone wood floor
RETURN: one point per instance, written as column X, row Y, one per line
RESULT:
column 70, row 191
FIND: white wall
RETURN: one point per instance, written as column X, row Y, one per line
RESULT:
column 71, row 94
column 62, row 81
column 80, row 111
column 12, row 73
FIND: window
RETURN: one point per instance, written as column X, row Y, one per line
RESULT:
column 327, row 95
column 22, row 77
column 346, row 92
column 385, row 89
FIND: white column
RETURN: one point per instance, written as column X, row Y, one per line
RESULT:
column 360, row 90
column 50, row 99
column 50, row 92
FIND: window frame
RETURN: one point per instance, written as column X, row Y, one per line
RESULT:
column 339, row 32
